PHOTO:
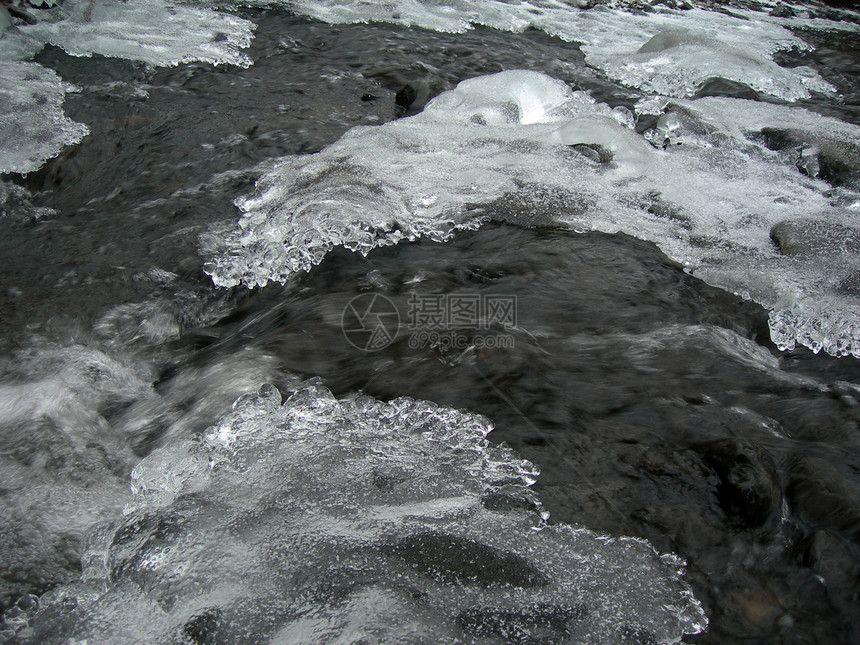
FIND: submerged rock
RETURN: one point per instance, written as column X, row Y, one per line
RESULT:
column 749, row 486
column 454, row 560
column 818, row 154
column 542, row 623
column 814, row 237
column 413, row 96
column 824, row 493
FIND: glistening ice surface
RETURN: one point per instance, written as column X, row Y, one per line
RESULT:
column 710, row 184
column 154, row 31
column 31, row 102
column 410, row 528
column 33, row 127
column 663, row 51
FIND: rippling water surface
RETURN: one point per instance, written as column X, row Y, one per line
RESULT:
column 518, row 415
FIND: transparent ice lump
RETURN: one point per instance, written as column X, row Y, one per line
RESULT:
column 323, row 519
column 707, row 184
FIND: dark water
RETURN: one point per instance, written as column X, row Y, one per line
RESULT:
column 654, row 404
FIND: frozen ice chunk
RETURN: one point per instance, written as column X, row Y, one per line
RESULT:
column 720, row 174
column 154, row 31
column 413, row 177
column 324, row 520
column 678, row 62
column 33, row 127
column 666, row 52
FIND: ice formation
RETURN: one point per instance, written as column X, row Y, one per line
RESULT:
column 716, row 177
column 63, row 468
column 664, row 51
column 74, row 422
column 32, row 124
column 325, row 520
column 158, row 32
column 33, row 127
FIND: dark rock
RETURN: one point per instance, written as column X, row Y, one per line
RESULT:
column 782, row 11
column 835, row 559
column 596, row 153
column 810, row 237
column 825, row 495
column 848, row 4
column 749, row 485
column 665, row 40
column 136, row 539
column 716, row 86
column 850, row 285
column 413, row 96
column 451, row 559
column 202, row 629
column 22, row 15
column 635, row 635
column 34, row 559
column 827, row 158
column 514, row 501
column 542, row 623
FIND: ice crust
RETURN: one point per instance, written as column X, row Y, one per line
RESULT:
column 707, row 189
column 32, row 124
column 33, row 127
column 664, row 51
column 325, row 520
column 158, row 32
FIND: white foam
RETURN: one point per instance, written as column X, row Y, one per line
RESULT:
column 663, row 51
column 709, row 202
column 325, row 520
column 63, row 469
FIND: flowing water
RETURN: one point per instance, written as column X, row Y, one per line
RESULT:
column 429, row 322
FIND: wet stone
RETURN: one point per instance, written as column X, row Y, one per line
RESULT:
column 835, row 559
column 593, row 151
column 635, row 635
column 413, row 96
column 806, row 237
column 201, row 629
column 829, row 159
column 824, row 493
column 749, row 485
column 782, row 11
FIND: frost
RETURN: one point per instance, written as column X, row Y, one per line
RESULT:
column 666, row 52
column 716, row 177
column 324, row 520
